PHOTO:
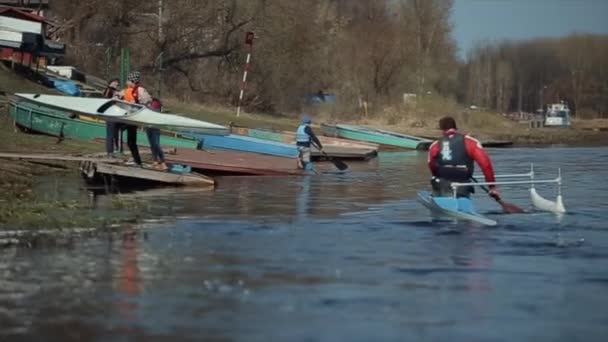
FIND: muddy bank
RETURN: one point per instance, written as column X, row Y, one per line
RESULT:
column 30, row 214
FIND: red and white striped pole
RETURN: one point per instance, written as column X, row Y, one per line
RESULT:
column 249, row 43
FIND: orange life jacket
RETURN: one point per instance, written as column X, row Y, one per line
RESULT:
column 131, row 94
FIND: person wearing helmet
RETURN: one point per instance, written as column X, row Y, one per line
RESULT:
column 452, row 158
column 305, row 137
column 134, row 93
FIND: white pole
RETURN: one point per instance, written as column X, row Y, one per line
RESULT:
column 248, row 42
column 243, row 83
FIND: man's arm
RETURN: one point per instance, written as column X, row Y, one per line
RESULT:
column 476, row 151
column 144, row 96
column 119, row 95
column 433, row 152
column 313, row 137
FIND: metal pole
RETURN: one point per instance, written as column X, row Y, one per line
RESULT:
column 249, row 43
column 160, row 43
column 556, row 180
column 160, row 21
column 160, row 73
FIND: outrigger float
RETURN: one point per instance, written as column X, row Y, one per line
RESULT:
column 462, row 208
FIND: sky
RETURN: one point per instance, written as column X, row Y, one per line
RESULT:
column 476, row 20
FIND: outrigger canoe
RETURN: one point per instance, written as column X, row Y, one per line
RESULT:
column 121, row 111
column 453, row 207
column 461, row 208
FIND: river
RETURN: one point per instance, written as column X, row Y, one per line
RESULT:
column 351, row 257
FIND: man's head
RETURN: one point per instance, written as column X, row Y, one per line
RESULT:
column 113, row 83
column 306, row 120
column 446, row 123
column 133, row 78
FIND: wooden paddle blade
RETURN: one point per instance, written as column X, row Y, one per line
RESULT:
column 510, row 208
column 339, row 164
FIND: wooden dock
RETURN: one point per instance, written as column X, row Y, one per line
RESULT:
column 56, row 157
column 95, row 167
column 93, row 171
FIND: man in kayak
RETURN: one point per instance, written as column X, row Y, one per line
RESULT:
column 304, row 138
column 451, row 159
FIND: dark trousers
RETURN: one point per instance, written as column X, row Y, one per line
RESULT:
column 132, row 142
column 113, row 139
column 154, row 140
column 112, row 133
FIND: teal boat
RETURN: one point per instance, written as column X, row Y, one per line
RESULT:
column 455, row 208
column 386, row 139
column 64, row 124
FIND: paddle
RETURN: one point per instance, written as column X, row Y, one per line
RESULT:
column 337, row 162
column 105, row 106
column 508, row 208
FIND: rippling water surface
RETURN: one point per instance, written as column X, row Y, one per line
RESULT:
column 349, row 257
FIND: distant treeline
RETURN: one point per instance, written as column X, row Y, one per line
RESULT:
column 510, row 76
column 362, row 50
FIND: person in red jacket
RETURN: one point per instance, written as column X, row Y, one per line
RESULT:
column 452, row 158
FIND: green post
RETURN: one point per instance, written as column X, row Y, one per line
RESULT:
column 125, row 66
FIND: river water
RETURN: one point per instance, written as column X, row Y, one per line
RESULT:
column 350, row 257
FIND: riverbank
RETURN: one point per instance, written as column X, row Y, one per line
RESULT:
column 421, row 121
column 30, row 217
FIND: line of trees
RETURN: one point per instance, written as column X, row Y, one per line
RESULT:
column 526, row 76
column 367, row 49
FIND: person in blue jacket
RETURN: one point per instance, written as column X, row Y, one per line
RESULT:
column 305, row 137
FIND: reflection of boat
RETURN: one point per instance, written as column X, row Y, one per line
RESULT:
column 384, row 138
column 454, row 207
column 120, row 111
column 557, row 115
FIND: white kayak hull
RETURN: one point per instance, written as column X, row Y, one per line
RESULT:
column 456, row 208
column 124, row 112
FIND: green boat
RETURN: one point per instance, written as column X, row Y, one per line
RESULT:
column 68, row 125
column 386, row 139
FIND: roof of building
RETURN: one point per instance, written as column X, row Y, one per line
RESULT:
column 20, row 14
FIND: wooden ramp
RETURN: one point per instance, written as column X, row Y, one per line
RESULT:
column 234, row 163
column 57, row 157
column 95, row 167
column 92, row 170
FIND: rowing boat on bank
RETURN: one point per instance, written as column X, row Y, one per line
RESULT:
column 64, row 124
column 461, row 208
column 120, row 111
column 386, row 139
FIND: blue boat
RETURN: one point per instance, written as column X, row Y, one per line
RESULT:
column 460, row 208
column 242, row 143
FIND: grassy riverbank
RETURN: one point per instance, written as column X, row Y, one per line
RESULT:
column 420, row 120
column 27, row 216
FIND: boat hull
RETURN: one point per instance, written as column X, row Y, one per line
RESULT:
column 119, row 111
column 385, row 139
column 456, row 208
column 333, row 147
column 64, row 124
column 234, row 142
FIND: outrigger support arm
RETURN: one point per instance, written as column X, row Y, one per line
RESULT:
column 556, row 180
